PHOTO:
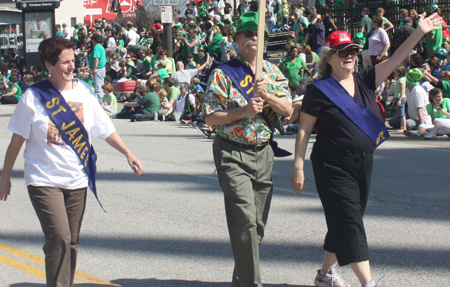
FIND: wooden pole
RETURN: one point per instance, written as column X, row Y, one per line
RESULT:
column 260, row 43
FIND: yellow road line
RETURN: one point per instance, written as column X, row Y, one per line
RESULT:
column 22, row 267
column 39, row 260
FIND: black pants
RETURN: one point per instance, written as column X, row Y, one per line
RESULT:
column 8, row 100
column 126, row 112
column 343, row 182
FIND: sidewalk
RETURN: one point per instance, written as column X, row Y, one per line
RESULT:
column 6, row 110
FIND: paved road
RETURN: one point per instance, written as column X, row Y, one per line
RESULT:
column 167, row 227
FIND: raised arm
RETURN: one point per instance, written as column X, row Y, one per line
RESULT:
column 384, row 69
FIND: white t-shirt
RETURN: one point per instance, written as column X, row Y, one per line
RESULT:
column 181, row 102
column 133, row 37
column 417, row 98
column 49, row 161
column 110, row 43
column 66, row 33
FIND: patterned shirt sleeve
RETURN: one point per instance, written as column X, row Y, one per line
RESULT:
column 216, row 98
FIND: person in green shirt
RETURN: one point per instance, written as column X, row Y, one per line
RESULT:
column 14, row 92
column 433, row 39
column 97, row 62
column 439, row 110
column 292, row 66
column 172, row 94
column 109, row 101
column 58, row 31
column 147, row 104
column 161, row 71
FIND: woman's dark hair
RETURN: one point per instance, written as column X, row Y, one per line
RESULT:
column 433, row 93
column 50, row 49
column 418, row 60
column 377, row 19
column 14, row 79
column 294, row 47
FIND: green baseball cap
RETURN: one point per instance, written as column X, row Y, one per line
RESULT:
column 441, row 53
column 433, row 7
column 249, row 22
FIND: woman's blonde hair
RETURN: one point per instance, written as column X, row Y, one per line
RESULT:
column 152, row 86
column 323, row 68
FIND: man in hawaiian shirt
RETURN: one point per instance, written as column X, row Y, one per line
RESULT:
column 242, row 153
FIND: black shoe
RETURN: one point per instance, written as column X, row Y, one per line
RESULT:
column 280, row 128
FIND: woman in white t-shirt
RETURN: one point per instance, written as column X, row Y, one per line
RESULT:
column 55, row 176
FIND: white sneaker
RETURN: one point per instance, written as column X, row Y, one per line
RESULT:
column 331, row 279
column 429, row 136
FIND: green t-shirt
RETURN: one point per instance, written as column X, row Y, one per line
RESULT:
column 173, row 93
column 398, row 88
column 107, row 99
column 100, row 53
column 162, row 74
column 150, row 102
column 366, row 22
column 436, row 43
column 293, row 70
column 18, row 93
column 386, row 23
column 58, row 33
column 88, row 81
column 312, row 57
column 121, row 42
column 446, row 89
column 445, row 107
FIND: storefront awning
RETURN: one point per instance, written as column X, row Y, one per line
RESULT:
column 10, row 16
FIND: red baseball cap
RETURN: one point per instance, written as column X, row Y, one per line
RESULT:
column 339, row 40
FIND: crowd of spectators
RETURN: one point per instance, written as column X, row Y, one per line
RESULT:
column 171, row 88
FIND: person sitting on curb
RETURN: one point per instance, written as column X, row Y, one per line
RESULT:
column 161, row 71
column 172, row 95
column 183, row 106
column 417, row 99
column 439, row 109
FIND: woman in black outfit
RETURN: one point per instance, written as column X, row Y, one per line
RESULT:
column 342, row 155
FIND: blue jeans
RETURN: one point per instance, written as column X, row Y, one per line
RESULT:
column 99, row 80
column 318, row 49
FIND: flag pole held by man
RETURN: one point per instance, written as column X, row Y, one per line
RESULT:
column 243, row 148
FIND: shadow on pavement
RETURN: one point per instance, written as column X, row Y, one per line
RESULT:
column 301, row 252
column 152, row 282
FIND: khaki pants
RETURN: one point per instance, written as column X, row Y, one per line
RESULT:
column 60, row 212
column 245, row 176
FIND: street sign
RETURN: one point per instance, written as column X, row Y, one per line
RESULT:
column 166, row 14
column 166, row 2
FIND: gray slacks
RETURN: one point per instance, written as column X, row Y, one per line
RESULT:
column 245, row 176
column 60, row 212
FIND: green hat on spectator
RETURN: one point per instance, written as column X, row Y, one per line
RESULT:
column 178, row 25
column 441, row 53
column 433, row 7
column 201, row 48
column 414, row 76
column 249, row 22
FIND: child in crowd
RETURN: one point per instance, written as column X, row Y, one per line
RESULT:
column 190, row 62
column 400, row 96
column 109, row 101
